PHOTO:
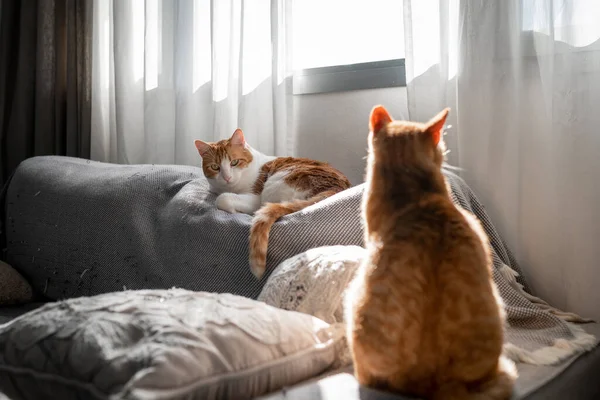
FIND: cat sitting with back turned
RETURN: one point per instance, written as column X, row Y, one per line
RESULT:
column 424, row 316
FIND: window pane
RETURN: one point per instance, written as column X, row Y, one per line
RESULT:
column 337, row 32
column 574, row 22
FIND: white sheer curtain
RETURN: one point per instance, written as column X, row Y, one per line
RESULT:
column 523, row 80
column 168, row 72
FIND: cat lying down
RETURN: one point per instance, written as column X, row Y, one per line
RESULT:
column 250, row 182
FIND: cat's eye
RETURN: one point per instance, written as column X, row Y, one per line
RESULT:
column 235, row 162
column 214, row 167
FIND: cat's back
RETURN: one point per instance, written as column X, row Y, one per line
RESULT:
column 426, row 284
column 436, row 248
column 305, row 175
column 430, row 225
column 300, row 166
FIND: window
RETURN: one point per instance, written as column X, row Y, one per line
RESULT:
column 347, row 45
column 572, row 22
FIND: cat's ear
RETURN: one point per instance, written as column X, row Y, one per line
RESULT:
column 202, row 147
column 379, row 118
column 436, row 125
column 237, row 139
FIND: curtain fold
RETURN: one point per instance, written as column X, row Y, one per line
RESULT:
column 523, row 80
column 45, row 80
column 169, row 72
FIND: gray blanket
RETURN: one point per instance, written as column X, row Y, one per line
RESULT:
column 75, row 227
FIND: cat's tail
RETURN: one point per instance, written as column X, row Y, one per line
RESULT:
column 264, row 219
column 499, row 387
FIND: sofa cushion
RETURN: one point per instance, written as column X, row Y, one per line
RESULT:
column 81, row 228
column 167, row 344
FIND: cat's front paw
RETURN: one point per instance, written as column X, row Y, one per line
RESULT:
column 226, row 202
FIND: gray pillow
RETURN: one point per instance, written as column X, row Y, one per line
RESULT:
column 162, row 344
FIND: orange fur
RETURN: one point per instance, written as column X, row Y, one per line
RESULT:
column 264, row 220
column 424, row 317
column 304, row 174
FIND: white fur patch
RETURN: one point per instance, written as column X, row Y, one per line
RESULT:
column 276, row 190
column 257, row 271
column 226, row 202
column 246, row 203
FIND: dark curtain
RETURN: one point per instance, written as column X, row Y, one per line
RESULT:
column 45, row 80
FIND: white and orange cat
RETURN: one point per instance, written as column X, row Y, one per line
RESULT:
column 250, row 182
column 423, row 314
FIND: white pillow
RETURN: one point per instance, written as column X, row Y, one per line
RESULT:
column 162, row 344
column 314, row 282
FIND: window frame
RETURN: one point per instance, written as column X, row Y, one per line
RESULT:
column 341, row 78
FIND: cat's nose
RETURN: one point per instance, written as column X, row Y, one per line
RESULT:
column 227, row 178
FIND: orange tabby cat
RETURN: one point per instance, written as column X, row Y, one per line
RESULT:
column 424, row 317
column 250, row 182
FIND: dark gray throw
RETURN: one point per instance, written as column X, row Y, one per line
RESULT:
column 76, row 227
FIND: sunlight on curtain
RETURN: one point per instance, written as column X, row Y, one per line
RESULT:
column 283, row 54
column 424, row 31
column 452, row 38
column 226, row 20
column 152, row 44
column 432, row 34
column 523, row 93
column 568, row 21
column 102, row 48
column 101, row 66
column 336, row 32
column 138, row 11
column 201, row 45
column 256, row 39
column 168, row 72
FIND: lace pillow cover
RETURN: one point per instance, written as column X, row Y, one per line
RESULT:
column 314, row 282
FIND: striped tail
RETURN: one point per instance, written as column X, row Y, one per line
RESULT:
column 264, row 219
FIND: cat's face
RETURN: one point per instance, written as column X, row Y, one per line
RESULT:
column 405, row 142
column 224, row 162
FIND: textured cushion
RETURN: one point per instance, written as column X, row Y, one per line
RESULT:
column 166, row 344
column 14, row 289
column 314, row 282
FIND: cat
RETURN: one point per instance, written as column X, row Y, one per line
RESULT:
column 423, row 315
column 250, row 182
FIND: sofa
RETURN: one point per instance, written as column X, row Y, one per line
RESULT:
column 140, row 288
